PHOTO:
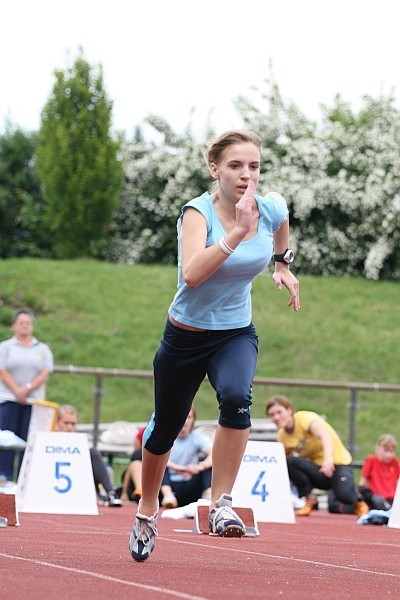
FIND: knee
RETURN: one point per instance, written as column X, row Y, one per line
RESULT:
column 234, row 406
column 348, row 495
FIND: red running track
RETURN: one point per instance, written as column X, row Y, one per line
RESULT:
column 85, row 557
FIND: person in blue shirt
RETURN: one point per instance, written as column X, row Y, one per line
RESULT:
column 225, row 239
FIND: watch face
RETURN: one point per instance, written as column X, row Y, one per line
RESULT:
column 289, row 256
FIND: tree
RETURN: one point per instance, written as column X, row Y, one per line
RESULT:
column 21, row 204
column 78, row 160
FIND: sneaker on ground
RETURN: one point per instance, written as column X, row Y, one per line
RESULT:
column 224, row 521
column 310, row 505
column 136, row 495
column 112, row 500
column 361, row 508
column 143, row 536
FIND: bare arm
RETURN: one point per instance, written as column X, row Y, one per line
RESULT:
column 202, row 465
column 21, row 392
column 328, row 467
column 199, row 262
column 193, row 469
column 282, row 274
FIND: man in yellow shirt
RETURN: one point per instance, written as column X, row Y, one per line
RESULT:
column 316, row 456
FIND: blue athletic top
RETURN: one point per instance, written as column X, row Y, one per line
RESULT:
column 223, row 300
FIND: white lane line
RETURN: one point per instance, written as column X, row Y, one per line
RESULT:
column 290, row 558
column 151, row 588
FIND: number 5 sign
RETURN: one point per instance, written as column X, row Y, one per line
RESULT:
column 56, row 475
column 263, row 483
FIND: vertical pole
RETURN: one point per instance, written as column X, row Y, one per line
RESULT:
column 98, row 392
column 352, row 421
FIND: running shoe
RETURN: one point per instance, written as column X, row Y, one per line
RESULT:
column 142, row 540
column 112, row 500
column 361, row 508
column 310, row 505
column 223, row 520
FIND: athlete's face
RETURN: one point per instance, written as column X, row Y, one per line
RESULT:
column 239, row 164
column 281, row 416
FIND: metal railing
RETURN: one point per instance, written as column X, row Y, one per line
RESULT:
column 353, row 388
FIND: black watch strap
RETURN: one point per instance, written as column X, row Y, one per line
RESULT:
column 286, row 257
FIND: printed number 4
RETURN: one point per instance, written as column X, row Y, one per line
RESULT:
column 59, row 475
column 260, row 489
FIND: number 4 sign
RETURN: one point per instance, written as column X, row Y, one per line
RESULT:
column 56, row 475
column 263, row 483
column 260, row 489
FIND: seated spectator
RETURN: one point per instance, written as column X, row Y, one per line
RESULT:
column 380, row 473
column 132, row 476
column 188, row 474
column 67, row 421
column 315, row 454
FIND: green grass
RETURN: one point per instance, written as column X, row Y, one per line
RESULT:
column 95, row 314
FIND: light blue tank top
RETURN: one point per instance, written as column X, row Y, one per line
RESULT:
column 223, row 301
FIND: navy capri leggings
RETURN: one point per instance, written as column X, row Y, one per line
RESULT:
column 184, row 358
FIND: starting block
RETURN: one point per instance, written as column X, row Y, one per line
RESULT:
column 8, row 508
column 246, row 514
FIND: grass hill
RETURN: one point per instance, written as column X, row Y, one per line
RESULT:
column 95, row 314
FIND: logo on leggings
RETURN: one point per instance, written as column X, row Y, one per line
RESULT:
column 241, row 411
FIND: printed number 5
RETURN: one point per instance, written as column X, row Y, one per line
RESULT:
column 260, row 490
column 59, row 475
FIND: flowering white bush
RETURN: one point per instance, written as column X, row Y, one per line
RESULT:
column 158, row 181
column 341, row 179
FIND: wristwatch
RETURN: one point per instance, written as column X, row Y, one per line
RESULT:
column 287, row 256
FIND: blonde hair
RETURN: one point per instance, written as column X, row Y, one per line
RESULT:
column 387, row 439
column 281, row 401
column 66, row 409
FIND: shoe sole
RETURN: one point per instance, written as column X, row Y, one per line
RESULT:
column 232, row 531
